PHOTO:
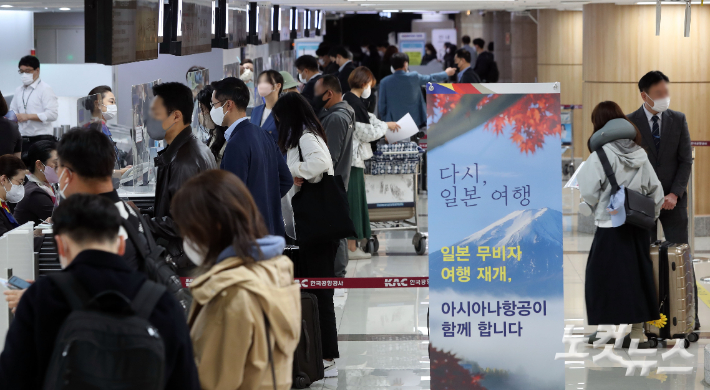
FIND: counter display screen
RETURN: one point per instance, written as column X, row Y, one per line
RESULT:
column 195, row 26
column 134, row 34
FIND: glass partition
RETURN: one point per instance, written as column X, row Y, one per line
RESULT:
column 196, row 81
column 144, row 147
column 231, row 70
column 259, row 67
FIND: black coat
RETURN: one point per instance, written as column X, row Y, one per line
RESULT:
column 182, row 160
column 344, row 74
column 43, row 309
column 674, row 161
column 484, row 65
column 35, row 206
column 309, row 90
column 331, row 68
column 469, row 76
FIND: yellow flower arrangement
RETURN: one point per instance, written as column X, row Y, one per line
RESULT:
column 660, row 323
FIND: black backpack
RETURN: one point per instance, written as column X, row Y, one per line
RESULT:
column 106, row 342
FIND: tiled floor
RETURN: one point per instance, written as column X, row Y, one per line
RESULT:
column 384, row 339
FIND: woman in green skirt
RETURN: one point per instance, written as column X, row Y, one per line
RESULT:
column 367, row 129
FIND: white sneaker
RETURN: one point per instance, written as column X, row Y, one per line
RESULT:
column 358, row 254
column 331, row 371
column 339, row 292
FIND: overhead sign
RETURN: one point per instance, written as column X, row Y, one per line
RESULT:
column 412, row 44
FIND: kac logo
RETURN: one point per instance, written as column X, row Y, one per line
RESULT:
column 396, row 282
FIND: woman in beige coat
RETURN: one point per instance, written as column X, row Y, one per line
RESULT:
column 245, row 318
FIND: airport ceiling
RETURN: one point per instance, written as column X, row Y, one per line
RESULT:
column 350, row 6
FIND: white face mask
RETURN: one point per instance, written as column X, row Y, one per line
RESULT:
column 217, row 114
column 660, row 105
column 321, row 62
column 301, row 79
column 27, row 78
column 111, row 111
column 193, row 252
column 366, row 92
column 62, row 189
column 265, row 89
column 15, row 194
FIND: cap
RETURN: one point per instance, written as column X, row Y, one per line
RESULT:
column 289, row 82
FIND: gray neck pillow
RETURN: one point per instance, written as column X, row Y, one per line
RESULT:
column 614, row 130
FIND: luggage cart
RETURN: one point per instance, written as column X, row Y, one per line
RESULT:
column 391, row 183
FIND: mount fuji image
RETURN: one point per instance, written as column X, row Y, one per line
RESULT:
column 538, row 232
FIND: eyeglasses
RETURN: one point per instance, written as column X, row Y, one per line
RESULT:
column 219, row 102
column 20, row 71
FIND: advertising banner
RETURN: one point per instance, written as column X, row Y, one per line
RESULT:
column 412, row 44
column 495, row 233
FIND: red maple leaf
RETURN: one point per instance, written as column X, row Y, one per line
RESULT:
column 532, row 118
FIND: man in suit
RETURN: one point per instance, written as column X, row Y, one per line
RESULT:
column 251, row 153
column 667, row 142
column 341, row 56
column 485, row 65
column 463, row 63
column 401, row 92
column 308, row 74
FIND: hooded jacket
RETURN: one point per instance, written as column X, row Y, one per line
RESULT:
column 632, row 169
column 227, row 320
column 339, row 124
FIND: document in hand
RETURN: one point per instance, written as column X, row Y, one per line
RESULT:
column 407, row 128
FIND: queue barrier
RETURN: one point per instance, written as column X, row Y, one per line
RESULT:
column 326, row 283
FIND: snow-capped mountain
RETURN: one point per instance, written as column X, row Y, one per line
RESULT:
column 538, row 272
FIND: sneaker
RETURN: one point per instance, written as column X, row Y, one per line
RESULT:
column 358, row 254
column 339, row 292
column 329, row 368
column 331, row 373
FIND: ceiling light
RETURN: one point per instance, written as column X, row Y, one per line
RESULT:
column 65, row 9
column 5, row 6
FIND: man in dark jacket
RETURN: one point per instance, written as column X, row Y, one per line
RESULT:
column 485, row 63
column 338, row 120
column 251, row 152
column 308, row 74
column 86, row 162
column 463, row 63
column 183, row 158
column 341, row 56
column 667, row 142
column 327, row 65
column 86, row 230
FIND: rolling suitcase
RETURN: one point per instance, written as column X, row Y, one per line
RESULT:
column 308, row 358
column 673, row 273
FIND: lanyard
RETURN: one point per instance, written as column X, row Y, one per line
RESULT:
column 24, row 102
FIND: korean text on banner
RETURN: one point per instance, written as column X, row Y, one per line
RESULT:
column 495, row 232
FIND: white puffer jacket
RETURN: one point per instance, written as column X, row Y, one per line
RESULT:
column 362, row 136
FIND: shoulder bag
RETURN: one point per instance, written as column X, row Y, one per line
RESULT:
column 321, row 210
column 640, row 209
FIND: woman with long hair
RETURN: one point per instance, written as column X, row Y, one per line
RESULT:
column 619, row 283
column 269, row 85
column 216, row 141
column 40, row 198
column 245, row 318
column 429, row 53
column 302, row 138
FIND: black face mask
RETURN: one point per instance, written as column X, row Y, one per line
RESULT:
column 319, row 103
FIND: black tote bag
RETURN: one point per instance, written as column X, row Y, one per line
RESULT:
column 321, row 211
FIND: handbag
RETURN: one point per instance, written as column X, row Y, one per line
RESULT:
column 321, row 210
column 640, row 209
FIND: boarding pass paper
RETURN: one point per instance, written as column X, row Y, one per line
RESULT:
column 407, row 128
